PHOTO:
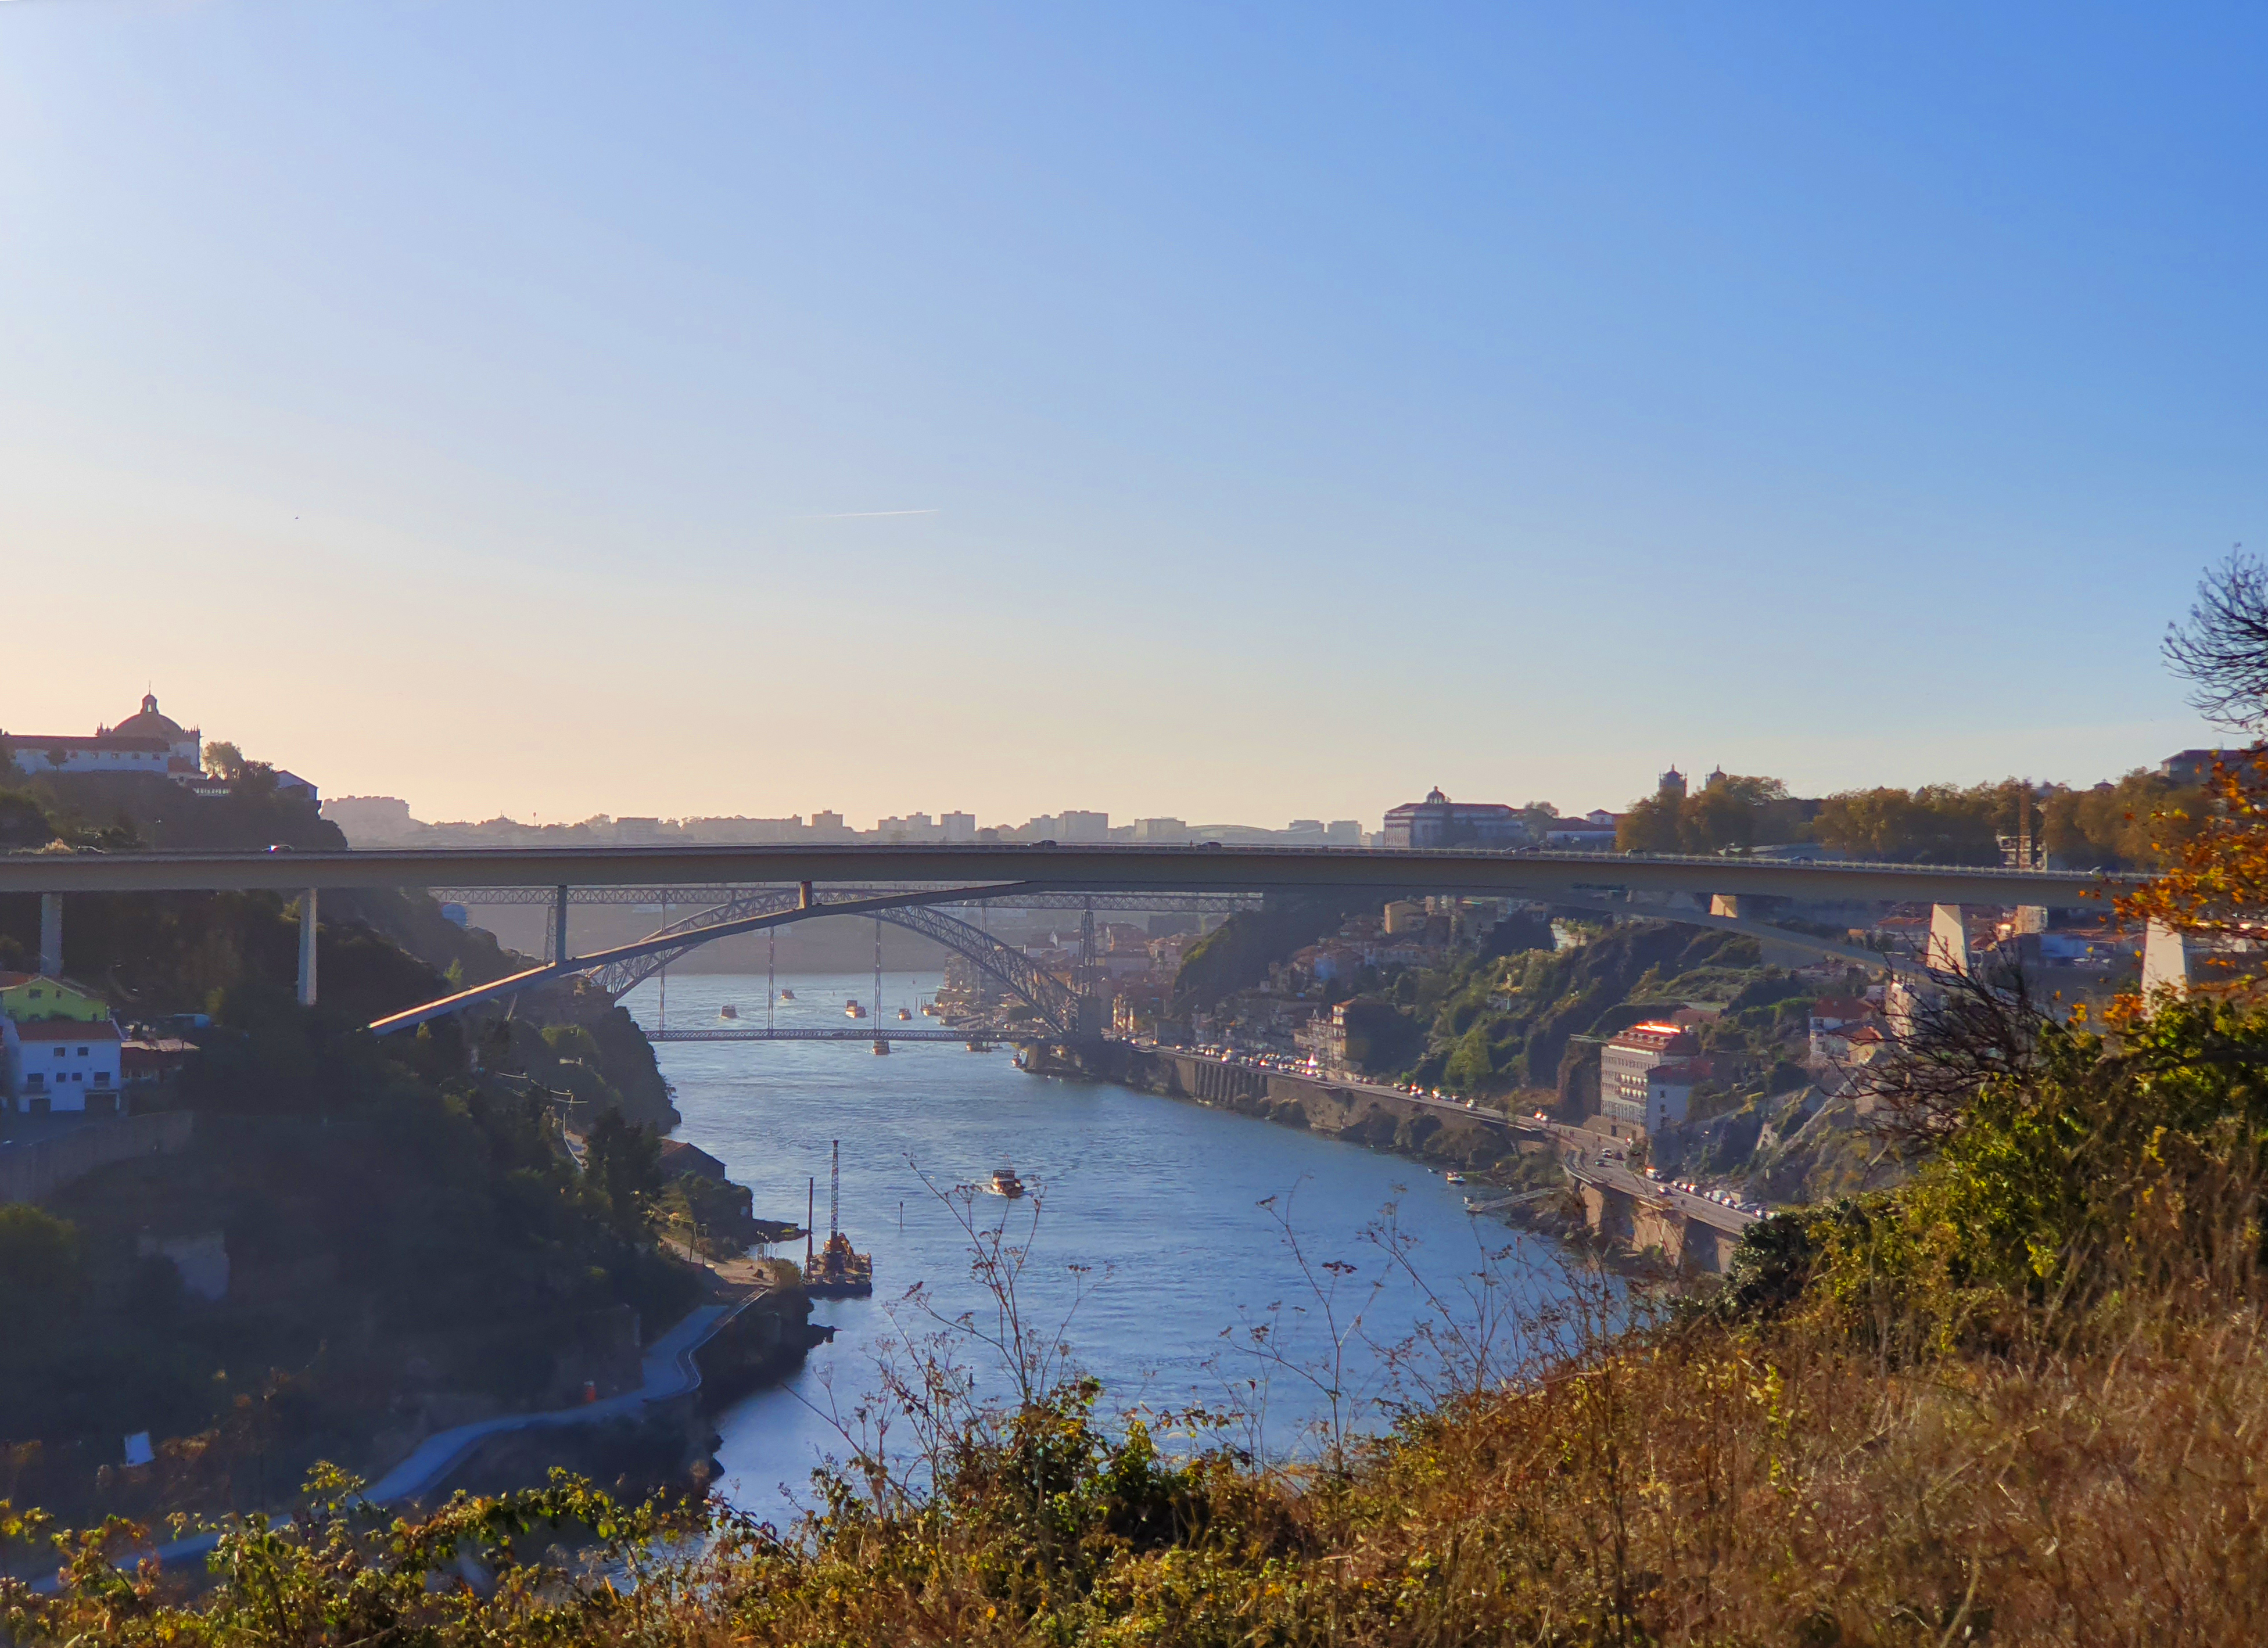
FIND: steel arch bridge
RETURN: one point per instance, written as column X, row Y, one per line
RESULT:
column 1047, row 995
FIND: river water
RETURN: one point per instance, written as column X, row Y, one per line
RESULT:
column 1164, row 1205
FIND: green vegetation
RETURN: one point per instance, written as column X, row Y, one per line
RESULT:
column 1236, row 954
column 2015, row 1400
column 1734, row 811
column 400, row 1222
column 2126, row 825
column 1529, row 1022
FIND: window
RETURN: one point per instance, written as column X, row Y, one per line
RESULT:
column 82, row 1052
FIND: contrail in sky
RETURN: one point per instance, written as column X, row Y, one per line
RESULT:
column 872, row 514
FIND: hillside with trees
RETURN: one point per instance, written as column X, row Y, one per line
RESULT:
column 405, row 1233
column 2016, row 1396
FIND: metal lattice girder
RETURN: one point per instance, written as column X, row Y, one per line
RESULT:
column 800, row 1032
column 1045, row 994
column 1170, row 903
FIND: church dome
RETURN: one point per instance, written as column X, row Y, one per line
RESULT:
column 150, row 723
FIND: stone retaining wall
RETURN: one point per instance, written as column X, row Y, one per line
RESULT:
column 40, row 1167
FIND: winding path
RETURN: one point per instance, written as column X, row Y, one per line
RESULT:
column 669, row 1371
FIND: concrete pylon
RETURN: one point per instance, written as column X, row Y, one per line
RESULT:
column 51, row 934
column 1725, row 904
column 2031, row 918
column 2165, row 959
column 1948, row 940
column 307, row 948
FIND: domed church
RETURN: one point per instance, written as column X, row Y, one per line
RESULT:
column 150, row 741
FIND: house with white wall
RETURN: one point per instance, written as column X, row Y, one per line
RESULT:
column 64, row 1064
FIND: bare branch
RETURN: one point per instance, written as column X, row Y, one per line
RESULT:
column 1974, row 1029
column 2223, row 649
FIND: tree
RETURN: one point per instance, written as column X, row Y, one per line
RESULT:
column 2223, row 648
column 1649, row 826
column 1935, row 824
column 624, row 1165
column 2216, row 883
column 38, row 1257
column 224, row 759
column 2125, row 825
column 1735, row 810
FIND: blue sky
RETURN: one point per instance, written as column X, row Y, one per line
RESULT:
column 1229, row 412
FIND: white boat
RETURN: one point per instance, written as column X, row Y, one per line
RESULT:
column 1453, row 1178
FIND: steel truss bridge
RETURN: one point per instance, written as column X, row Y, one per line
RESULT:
column 657, row 897
column 830, row 1032
column 1047, row 995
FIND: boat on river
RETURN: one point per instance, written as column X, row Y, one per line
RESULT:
column 852, row 1009
column 880, row 1046
column 728, row 1011
column 787, row 995
column 1004, row 1183
column 835, row 1271
column 905, row 1016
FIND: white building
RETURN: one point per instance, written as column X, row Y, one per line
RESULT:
column 56, row 1064
column 1628, row 1095
column 147, row 742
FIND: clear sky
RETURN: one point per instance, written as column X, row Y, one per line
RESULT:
column 1232, row 413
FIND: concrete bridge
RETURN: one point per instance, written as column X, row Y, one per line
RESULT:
column 1690, row 1232
column 944, row 875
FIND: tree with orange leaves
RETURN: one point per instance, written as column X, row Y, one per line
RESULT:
column 2215, row 886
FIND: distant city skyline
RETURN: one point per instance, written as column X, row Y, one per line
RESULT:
column 1638, row 780
column 1237, row 416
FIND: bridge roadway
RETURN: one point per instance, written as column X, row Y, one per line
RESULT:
column 830, row 1032
column 1007, row 871
column 694, row 897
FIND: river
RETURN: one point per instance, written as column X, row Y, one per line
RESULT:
column 1165, row 1203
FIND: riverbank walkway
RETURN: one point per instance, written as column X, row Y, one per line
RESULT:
column 668, row 1372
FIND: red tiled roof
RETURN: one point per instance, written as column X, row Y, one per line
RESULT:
column 37, row 742
column 1651, row 1038
column 67, row 1030
column 1844, row 1007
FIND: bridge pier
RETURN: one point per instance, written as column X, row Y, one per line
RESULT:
column 51, row 934
column 2165, row 959
column 1948, row 941
column 307, row 948
column 559, row 951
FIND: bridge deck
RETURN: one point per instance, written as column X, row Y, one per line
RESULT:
column 1045, row 868
column 828, row 1033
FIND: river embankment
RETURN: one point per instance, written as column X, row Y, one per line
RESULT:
column 1377, row 1118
